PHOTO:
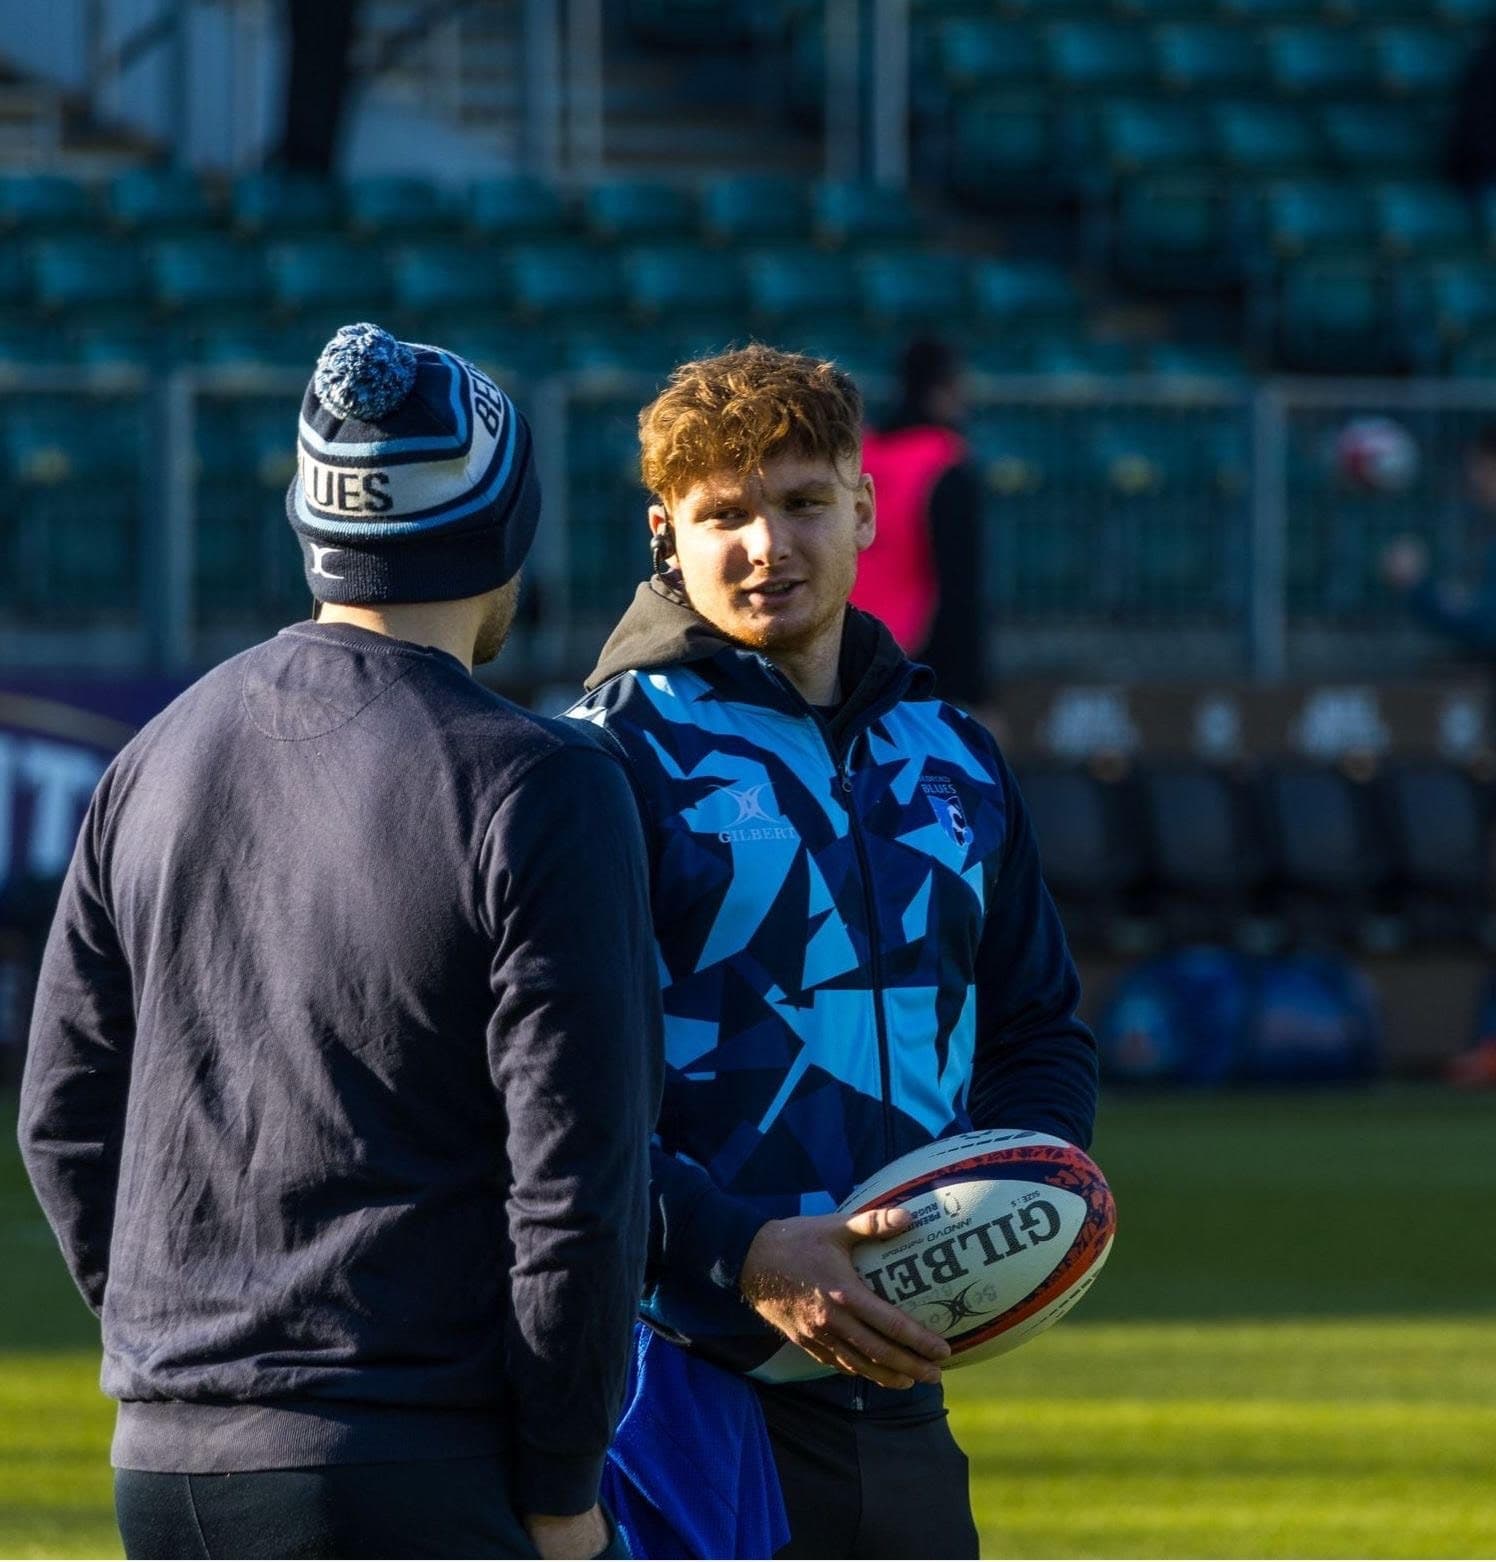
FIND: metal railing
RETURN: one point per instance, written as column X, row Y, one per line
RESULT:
column 1133, row 528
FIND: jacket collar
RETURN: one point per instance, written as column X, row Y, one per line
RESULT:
column 661, row 629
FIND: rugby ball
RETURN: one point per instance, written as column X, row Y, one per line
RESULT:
column 1010, row 1230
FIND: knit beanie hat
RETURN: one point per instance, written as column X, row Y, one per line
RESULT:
column 415, row 477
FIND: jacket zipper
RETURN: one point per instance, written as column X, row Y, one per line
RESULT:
column 843, row 771
column 874, row 954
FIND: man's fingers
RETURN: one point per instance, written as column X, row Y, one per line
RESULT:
column 891, row 1359
column 892, row 1322
column 857, row 1365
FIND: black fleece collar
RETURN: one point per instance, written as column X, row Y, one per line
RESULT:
column 661, row 629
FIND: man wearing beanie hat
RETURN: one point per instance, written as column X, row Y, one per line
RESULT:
column 346, row 1047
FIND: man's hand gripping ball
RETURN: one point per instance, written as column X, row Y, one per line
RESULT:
column 799, row 1277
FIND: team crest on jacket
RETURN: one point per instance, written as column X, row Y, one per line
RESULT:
column 946, row 803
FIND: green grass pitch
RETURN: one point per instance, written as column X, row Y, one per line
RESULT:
column 1292, row 1352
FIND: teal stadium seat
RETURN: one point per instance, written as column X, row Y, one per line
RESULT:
column 244, row 573
column 33, row 205
column 754, row 209
column 914, row 289
column 1336, row 316
column 1091, row 56
column 606, row 507
column 117, row 348
column 785, row 285
column 1171, row 360
column 566, row 280
column 1422, row 219
column 674, row 282
column 1316, row 217
column 969, row 54
column 60, row 455
column 1266, row 12
column 395, row 207
column 1022, row 295
column 844, row 341
column 15, row 283
column 1035, row 563
column 87, row 277
column 281, row 204
column 1155, row 11
column 512, row 357
column 1309, row 61
column 620, row 349
column 996, row 350
column 25, row 347
column 1070, row 356
column 1475, row 359
column 1259, row 139
column 848, row 213
column 1462, row 300
column 639, row 209
column 1365, row 13
column 515, row 208
column 241, row 346
column 1006, row 151
column 208, row 277
column 1207, row 57
column 327, row 277
column 447, row 278
column 1373, row 140
column 1176, row 234
column 1153, row 138
column 1416, row 60
column 155, row 202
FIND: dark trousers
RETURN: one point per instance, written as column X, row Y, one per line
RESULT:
column 883, row 1480
column 435, row 1508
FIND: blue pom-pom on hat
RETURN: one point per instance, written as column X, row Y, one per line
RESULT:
column 364, row 373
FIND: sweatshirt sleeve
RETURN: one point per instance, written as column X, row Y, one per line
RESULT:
column 1035, row 1064
column 695, row 1228
column 76, row 1083
column 575, row 1052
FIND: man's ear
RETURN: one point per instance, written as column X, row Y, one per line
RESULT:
column 661, row 541
column 866, row 507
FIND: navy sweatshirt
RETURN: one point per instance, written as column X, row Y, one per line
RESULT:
column 345, row 1057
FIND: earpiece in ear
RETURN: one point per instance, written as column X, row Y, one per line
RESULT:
column 661, row 546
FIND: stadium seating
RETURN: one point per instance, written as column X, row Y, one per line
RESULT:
column 35, row 205
column 279, row 204
column 846, row 213
column 1330, row 864
column 208, row 277
column 1199, row 58
column 158, row 201
column 517, row 208
column 639, row 210
column 85, row 279
column 1438, row 825
column 431, row 279
column 1094, row 860
column 1207, row 865
column 326, row 276
column 682, row 284
column 755, row 209
column 395, row 207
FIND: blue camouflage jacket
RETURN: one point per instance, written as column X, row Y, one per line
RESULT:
column 857, row 951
